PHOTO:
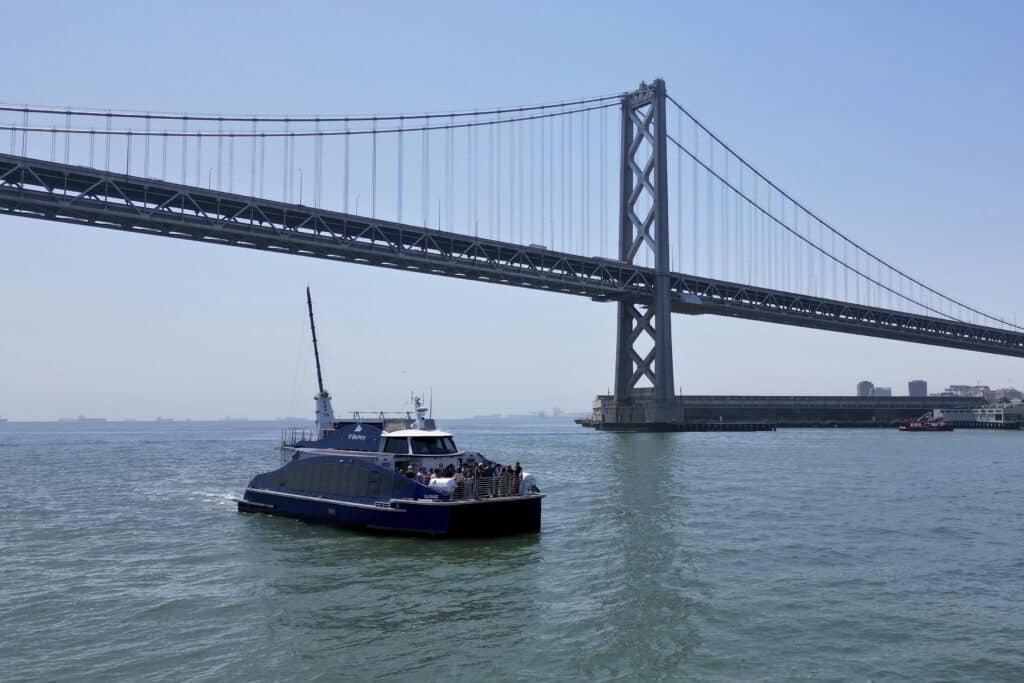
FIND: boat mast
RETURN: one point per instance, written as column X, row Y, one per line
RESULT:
column 316, row 351
column 324, row 411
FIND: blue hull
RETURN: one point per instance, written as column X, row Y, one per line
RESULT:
column 491, row 517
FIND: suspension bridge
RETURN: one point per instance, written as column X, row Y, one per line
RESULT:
column 624, row 198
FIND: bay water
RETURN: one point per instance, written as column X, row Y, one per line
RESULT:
column 830, row 554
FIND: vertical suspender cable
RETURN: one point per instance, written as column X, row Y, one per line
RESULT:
column 756, row 237
column 725, row 221
column 832, row 267
column 678, row 222
column 847, row 261
column 472, row 212
column 291, row 167
column 373, row 171
column 285, row 171
column 490, row 179
column 533, row 183
column 571, row 224
column 107, row 165
column 67, row 138
column 24, row 137
column 696, row 223
column 711, row 209
column 497, row 182
column 856, row 278
column 542, row 125
column 401, row 124
column 263, row 165
column 231, row 163
column 452, row 141
column 184, row 150
column 519, row 137
column 551, row 181
column 425, row 180
column 319, row 172
column 220, row 152
column 447, row 176
column 512, row 182
column 585, row 219
column 344, row 171
column 252, row 161
column 745, row 247
column 603, row 176
column 145, row 160
column 561, row 227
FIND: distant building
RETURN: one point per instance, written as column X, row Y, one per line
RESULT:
column 998, row 413
column 917, row 388
column 883, row 392
column 1007, row 394
column 966, row 390
column 556, row 412
column 865, row 388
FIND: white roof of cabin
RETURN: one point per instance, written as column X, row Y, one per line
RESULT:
column 418, row 432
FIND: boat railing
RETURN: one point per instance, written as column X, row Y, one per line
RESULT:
column 381, row 415
column 475, row 488
column 293, row 435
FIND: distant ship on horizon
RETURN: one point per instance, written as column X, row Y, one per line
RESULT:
column 3, row 419
column 81, row 418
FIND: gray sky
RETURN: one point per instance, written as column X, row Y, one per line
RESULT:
column 898, row 123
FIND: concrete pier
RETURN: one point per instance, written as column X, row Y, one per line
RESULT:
column 686, row 412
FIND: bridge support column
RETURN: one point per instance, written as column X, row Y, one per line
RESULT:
column 643, row 228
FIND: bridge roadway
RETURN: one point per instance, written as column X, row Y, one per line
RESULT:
column 85, row 196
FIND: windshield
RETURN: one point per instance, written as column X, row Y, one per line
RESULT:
column 433, row 445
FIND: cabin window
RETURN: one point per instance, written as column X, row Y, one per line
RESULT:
column 433, row 445
column 399, row 446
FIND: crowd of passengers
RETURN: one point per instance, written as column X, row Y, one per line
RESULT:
column 480, row 470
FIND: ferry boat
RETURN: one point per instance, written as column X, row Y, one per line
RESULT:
column 392, row 473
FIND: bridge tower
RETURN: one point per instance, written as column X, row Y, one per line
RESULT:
column 643, row 230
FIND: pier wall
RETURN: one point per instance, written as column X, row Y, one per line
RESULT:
column 781, row 411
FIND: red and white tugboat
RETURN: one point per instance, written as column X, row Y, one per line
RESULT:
column 926, row 423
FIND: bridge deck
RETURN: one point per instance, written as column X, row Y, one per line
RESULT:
column 85, row 196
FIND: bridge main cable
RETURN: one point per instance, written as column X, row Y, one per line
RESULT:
column 797, row 204
column 284, row 118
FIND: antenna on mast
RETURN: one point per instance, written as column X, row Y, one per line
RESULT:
column 316, row 351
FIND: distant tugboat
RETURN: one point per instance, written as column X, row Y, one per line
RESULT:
column 926, row 423
column 392, row 474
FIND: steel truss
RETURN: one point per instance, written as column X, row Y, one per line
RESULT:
column 83, row 196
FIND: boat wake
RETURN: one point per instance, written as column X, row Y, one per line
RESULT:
column 215, row 498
